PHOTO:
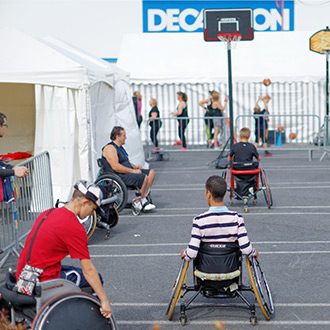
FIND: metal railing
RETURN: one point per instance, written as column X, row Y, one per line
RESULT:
column 196, row 133
column 33, row 195
column 324, row 137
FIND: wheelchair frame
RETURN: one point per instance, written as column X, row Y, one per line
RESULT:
column 259, row 287
column 262, row 186
column 36, row 310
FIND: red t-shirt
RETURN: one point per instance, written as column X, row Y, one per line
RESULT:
column 59, row 235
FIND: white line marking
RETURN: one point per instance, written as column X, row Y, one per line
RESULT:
column 271, row 323
column 179, row 244
column 123, row 304
column 272, row 188
column 177, row 254
column 246, row 215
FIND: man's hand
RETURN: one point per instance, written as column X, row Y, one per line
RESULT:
column 21, row 171
column 182, row 253
column 105, row 309
column 136, row 171
column 139, row 167
column 257, row 254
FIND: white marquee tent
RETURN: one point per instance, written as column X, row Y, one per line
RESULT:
column 56, row 103
column 158, row 58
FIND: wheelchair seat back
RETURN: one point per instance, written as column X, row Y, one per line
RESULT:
column 238, row 166
column 218, row 258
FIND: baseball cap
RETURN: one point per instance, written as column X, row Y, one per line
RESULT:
column 92, row 192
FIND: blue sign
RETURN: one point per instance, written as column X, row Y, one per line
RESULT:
column 187, row 16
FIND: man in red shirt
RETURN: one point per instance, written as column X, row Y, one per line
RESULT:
column 61, row 234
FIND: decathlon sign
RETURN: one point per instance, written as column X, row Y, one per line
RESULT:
column 187, row 16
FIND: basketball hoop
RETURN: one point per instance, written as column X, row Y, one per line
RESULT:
column 227, row 38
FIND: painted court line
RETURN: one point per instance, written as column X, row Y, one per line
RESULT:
column 178, row 253
column 174, row 188
column 179, row 244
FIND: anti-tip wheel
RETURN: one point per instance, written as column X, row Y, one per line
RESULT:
column 183, row 320
column 246, row 210
column 253, row 320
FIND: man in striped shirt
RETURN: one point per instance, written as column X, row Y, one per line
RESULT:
column 218, row 224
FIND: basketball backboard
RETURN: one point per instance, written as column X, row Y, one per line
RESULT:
column 219, row 24
column 319, row 42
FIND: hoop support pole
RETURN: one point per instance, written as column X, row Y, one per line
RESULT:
column 230, row 92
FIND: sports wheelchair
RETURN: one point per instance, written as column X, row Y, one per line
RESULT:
column 244, row 183
column 106, row 221
column 217, row 273
column 119, row 189
column 55, row 304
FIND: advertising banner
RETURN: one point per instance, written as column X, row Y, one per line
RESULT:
column 187, row 16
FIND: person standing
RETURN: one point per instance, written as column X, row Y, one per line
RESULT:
column 183, row 120
column 137, row 98
column 7, row 170
column 216, row 110
column 154, row 122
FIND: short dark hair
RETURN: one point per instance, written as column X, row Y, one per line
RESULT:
column 115, row 132
column 217, row 186
column 2, row 118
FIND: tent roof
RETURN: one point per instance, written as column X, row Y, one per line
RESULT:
column 25, row 59
column 88, row 60
column 186, row 57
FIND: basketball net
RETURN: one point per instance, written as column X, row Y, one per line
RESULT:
column 227, row 38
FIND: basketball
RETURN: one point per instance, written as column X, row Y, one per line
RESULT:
column 266, row 82
column 292, row 136
column 280, row 128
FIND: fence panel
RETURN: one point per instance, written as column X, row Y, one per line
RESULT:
column 33, row 195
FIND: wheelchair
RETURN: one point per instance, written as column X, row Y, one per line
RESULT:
column 107, row 221
column 55, row 305
column 119, row 189
column 217, row 273
column 246, row 180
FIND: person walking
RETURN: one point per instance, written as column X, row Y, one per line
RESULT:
column 154, row 122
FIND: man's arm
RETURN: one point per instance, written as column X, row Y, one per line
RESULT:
column 191, row 251
column 110, row 153
column 7, row 170
column 92, row 277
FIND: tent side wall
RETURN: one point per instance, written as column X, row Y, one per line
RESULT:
column 17, row 102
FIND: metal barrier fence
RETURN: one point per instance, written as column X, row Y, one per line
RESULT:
column 324, row 137
column 196, row 134
column 285, row 132
column 33, row 195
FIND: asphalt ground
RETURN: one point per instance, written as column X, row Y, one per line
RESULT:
column 140, row 261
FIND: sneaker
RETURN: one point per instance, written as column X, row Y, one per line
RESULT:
column 138, row 204
column 155, row 150
column 267, row 153
column 148, row 206
column 177, row 143
column 182, row 148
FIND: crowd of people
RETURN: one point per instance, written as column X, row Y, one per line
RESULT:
column 214, row 119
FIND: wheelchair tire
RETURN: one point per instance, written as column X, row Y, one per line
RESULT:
column 89, row 224
column 72, row 310
column 178, row 286
column 266, row 189
column 225, row 175
column 260, row 287
column 119, row 188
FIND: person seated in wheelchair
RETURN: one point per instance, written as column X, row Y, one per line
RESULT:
column 115, row 159
column 61, row 234
column 242, row 154
column 217, row 226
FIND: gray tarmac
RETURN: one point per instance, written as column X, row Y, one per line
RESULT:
column 140, row 261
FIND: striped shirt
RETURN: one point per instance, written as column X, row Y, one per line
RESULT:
column 218, row 225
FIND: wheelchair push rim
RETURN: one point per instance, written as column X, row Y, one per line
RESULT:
column 119, row 188
column 260, row 287
column 266, row 189
column 178, row 286
column 89, row 224
column 59, row 313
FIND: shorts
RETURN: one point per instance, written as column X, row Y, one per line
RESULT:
column 134, row 179
column 217, row 121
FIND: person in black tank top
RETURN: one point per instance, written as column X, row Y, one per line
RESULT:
column 154, row 122
column 115, row 159
column 182, row 112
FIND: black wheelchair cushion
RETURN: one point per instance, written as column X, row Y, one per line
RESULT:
column 18, row 299
column 218, row 257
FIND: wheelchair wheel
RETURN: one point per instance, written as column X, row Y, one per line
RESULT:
column 119, row 188
column 72, row 310
column 266, row 189
column 178, row 286
column 225, row 174
column 89, row 224
column 260, row 287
